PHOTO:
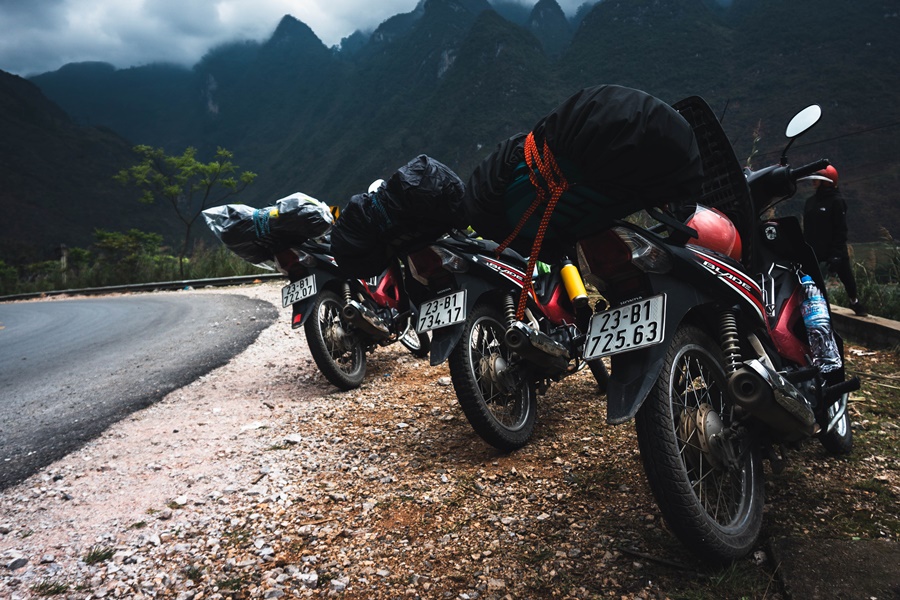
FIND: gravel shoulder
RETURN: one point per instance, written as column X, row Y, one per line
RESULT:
column 260, row 480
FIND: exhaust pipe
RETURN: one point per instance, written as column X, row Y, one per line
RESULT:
column 361, row 317
column 537, row 348
column 772, row 399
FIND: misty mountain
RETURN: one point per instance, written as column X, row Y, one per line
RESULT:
column 452, row 78
column 548, row 23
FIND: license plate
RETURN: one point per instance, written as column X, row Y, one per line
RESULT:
column 627, row 327
column 442, row 312
column 299, row 290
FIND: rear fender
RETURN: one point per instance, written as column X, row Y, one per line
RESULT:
column 445, row 339
column 635, row 373
column 325, row 280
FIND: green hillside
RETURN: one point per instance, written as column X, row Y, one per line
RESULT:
column 57, row 178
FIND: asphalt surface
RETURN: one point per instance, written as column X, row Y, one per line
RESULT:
column 71, row 368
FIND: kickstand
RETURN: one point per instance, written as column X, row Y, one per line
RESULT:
column 777, row 460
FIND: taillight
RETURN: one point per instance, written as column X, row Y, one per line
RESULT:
column 645, row 255
column 434, row 262
column 305, row 259
column 620, row 254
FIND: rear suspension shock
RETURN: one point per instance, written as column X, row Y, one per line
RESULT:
column 509, row 308
column 731, row 349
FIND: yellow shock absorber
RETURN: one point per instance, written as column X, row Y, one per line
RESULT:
column 574, row 284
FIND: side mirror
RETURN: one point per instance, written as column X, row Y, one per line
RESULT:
column 803, row 121
column 800, row 124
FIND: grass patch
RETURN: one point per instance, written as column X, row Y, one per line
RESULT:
column 237, row 536
column 232, row 583
column 882, row 491
column 537, row 555
column 98, row 554
column 194, row 573
column 50, row 588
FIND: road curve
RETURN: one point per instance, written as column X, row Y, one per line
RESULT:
column 71, row 368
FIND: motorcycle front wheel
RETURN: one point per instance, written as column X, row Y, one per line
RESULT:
column 707, row 482
column 840, row 439
column 338, row 353
column 601, row 375
column 496, row 397
column 418, row 344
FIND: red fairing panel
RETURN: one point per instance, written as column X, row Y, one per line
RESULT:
column 747, row 289
column 787, row 344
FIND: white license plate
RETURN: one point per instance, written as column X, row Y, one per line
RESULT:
column 627, row 327
column 442, row 312
column 299, row 290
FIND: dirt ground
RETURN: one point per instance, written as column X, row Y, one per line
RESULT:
column 260, row 480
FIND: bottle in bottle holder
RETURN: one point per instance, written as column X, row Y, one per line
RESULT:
column 574, row 284
column 817, row 319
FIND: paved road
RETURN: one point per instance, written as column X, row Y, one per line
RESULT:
column 71, row 368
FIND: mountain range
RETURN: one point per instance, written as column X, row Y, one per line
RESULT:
column 450, row 79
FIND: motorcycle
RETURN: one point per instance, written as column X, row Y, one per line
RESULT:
column 498, row 363
column 345, row 318
column 708, row 347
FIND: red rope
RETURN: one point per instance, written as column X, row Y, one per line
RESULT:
column 556, row 184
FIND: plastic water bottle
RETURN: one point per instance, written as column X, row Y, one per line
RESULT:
column 818, row 327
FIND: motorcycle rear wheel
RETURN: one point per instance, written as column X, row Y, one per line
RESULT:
column 714, row 509
column 499, row 402
column 338, row 353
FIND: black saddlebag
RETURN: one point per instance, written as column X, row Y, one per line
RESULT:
column 418, row 203
column 620, row 149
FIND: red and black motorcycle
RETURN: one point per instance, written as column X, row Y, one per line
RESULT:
column 468, row 294
column 709, row 350
column 345, row 318
column 352, row 316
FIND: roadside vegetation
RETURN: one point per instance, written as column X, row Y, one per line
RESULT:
column 188, row 186
column 122, row 258
column 877, row 270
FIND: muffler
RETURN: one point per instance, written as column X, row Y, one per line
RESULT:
column 537, row 348
column 364, row 319
column 772, row 399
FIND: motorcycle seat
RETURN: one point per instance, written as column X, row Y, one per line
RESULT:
column 483, row 246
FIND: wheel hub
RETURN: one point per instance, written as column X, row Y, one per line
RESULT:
column 496, row 370
column 336, row 337
column 701, row 432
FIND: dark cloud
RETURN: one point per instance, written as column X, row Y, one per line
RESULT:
column 42, row 35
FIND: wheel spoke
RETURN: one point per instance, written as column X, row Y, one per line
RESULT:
column 486, row 346
column 330, row 323
column 719, row 491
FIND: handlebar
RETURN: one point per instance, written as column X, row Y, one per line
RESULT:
column 809, row 169
column 775, row 183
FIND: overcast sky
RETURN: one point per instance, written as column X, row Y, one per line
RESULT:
column 42, row 35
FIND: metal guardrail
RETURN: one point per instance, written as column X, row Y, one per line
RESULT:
column 150, row 287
